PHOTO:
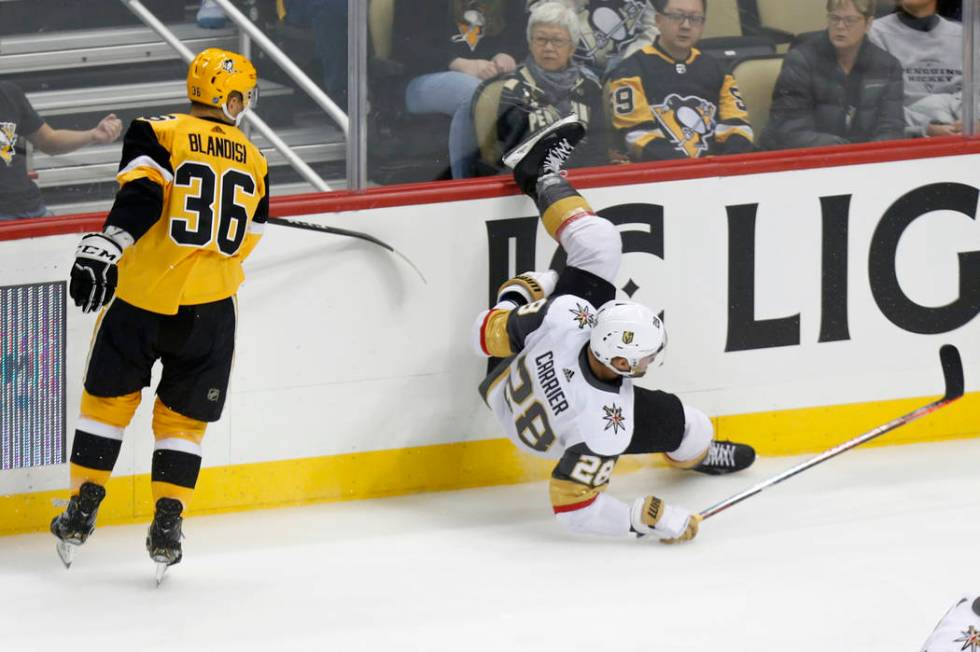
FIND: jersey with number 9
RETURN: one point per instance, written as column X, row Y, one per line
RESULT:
column 194, row 195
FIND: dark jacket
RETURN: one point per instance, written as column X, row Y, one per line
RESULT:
column 814, row 103
column 426, row 36
column 525, row 107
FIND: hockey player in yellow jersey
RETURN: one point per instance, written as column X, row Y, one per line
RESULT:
column 192, row 203
column 571, row 352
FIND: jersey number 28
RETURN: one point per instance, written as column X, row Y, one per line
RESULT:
column 532, row 425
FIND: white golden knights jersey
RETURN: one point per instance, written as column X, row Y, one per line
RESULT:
column 551, row 404
column 545, row 396
column 959, row 629
column 668, row 109
column 194, row 195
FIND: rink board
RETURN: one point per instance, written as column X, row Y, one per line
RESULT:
column 803, row 308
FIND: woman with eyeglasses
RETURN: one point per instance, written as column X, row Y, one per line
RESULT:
column 837, row 87
column 548, row 86
column 610, row 31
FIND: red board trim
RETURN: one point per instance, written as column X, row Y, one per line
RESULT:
column 502, row 186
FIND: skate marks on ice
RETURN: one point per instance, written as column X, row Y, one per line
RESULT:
column 864, row 552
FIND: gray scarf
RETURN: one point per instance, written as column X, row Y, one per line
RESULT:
column 557, row 85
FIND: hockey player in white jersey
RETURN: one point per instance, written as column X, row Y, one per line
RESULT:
column 565, row 388
column 959, row 629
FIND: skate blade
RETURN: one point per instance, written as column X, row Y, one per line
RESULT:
column 67, row 552
column 161, row 571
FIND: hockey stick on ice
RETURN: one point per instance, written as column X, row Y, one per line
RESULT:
column 323, row 228
column 949, row 356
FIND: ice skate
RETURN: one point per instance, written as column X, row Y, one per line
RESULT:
column 545, row 152
column 76, row 524
column 164, row 535
column 726, row 457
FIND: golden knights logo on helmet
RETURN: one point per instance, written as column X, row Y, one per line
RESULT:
column 627, row 337
column 687, row 121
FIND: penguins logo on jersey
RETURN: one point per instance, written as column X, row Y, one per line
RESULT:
column 687, row 121
column 613, row 21
column 470, row 28
column 8, row 138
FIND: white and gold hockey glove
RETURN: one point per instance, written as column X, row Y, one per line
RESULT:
column 528, row 287
column 669, row 524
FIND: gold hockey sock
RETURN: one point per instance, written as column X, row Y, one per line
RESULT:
column 559, row 204
column 98, row 437
column 176, row 454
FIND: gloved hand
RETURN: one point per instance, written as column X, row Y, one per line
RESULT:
column 529, row 286
column 94, row 274
column 667, row 523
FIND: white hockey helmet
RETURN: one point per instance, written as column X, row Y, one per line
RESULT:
column 628, row 330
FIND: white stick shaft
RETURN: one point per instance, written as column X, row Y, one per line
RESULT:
column 826, row 455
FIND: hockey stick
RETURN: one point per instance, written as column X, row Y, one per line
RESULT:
column 949, row 356
column 323, row 228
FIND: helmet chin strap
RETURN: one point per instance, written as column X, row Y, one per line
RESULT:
column 237, row 119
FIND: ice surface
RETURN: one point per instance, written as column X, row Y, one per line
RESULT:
column 865, row 552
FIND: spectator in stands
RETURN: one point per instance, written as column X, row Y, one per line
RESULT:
column 611, row 30
column 210, row 15
column 550, row 85
column 669, row 101
column 328, row 21
column 19, row 196
column 837, row 87
column 930, row 49
column 448, row 53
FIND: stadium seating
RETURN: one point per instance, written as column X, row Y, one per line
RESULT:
column 756, row 79
column 74, row 77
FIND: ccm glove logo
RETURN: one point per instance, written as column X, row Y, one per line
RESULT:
column 94, row 275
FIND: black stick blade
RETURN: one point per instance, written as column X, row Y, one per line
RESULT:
column 949, row 355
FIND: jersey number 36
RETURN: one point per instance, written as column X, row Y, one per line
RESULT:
column 199, row 230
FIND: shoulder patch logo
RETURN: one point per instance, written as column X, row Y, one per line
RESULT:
column 687, row 121
column 582, row 315
column 970, row 639
column 614, row 418
column 217, row 130
column 569, row 374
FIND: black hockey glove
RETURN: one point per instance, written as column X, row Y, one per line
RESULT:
column 94, row 274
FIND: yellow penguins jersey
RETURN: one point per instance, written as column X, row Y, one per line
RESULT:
column 194, row 195
column 667, row 109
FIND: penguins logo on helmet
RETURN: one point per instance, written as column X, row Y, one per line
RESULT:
column 215, row 75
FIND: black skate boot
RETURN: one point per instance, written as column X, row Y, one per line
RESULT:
column 545, row 152
column 163, row 537
column 76, row 524
column 726, row 457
